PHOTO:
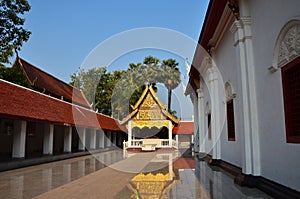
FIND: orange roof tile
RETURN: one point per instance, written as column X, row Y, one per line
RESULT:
column 46, row 83
column 17, row 102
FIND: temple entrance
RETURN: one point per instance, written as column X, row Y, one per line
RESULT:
column 149, row 124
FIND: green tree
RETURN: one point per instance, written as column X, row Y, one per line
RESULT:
column 171, row 77
column 97, row 85
column 151, row 71
column 12, row 34
column 14, row 74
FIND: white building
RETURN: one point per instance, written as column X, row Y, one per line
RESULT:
column 249, row 91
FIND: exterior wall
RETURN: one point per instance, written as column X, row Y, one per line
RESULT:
column 224, row 57
column 260, row 147
column 279, row 159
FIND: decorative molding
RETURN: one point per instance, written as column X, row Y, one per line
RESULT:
column 289, row 46
column 229, row 91
column 272, row 69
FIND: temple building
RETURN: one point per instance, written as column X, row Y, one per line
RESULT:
column 50, row 118
column 150, row 126
column 245, row 89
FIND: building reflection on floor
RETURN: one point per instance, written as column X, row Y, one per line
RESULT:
column 167, row 175
column 183, row 177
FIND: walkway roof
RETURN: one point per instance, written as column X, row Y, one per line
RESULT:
column 21, row 103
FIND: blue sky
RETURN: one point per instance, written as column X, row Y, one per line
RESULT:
column 64, row 32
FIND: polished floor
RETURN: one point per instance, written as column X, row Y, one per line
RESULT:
column 114, row 174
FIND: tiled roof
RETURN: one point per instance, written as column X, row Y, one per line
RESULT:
column 184, row 128
column 46, row 83
column 17, row 102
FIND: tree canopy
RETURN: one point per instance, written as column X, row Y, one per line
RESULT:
column 12, row 33
column 113, row 92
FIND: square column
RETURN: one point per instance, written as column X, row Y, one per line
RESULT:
column 93, row 136
column 170, row 133
column 101, row 141
column 201, row 122
column 129, row 133
column 68, row 139
column 81, row 134
column 196, row 124
column 19, row 139
column 251, row 164
column 48, row 139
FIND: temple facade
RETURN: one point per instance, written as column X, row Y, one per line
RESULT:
column 150, row 126
column 245, row 88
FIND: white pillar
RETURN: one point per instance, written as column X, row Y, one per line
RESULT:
column 19, row 139
column 196, row 121
column 68, row 139
column 48, row 139
column 250, row 138
column 170, row 133
column 215, row 109
column 201, row 126
column 93, row 137
column 129, row 133
column 101, row 141
column 82, row 136
column 177, row 140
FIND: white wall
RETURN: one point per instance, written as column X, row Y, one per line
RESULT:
column 279, row 160
column 225, row 59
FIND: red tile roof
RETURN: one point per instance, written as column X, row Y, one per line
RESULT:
column 46, row 83
column 186, row 128
column 17, row 102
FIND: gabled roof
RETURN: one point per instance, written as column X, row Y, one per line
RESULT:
column 25, row 104
column 184, row 128
column 149, row 91
column 46, row 83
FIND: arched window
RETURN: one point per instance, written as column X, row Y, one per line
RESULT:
column 288, row 44
column 230, row 95
column 287, row 55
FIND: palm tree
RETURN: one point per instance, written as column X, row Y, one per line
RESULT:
column 171, row 77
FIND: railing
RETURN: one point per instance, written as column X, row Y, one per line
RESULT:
column 158, row 143
column 175, row 144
